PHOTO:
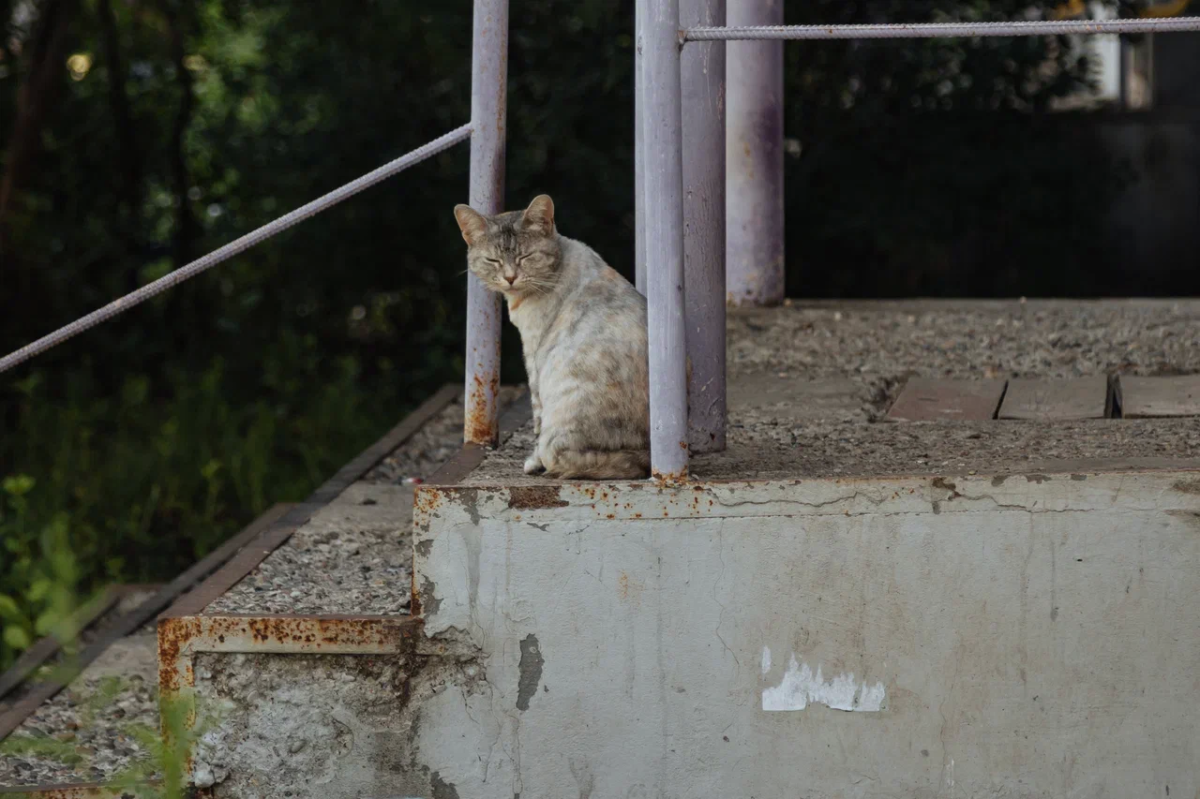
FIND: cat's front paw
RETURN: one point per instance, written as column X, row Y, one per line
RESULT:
column 533, row 465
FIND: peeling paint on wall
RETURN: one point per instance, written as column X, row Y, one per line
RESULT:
column 800, row 688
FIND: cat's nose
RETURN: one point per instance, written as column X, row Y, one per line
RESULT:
column 511, row 279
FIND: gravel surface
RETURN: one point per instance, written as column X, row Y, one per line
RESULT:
column 355, row 555
column 352, row 557
column 435, row 443
column 85, row 733
column 957, row 338
column 810, row 382
column 125, row 604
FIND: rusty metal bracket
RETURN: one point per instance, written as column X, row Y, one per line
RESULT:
column 181, row 638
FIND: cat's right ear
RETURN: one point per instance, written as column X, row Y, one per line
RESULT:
column 472, row 224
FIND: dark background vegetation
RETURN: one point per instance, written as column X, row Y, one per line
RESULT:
column 140, row 134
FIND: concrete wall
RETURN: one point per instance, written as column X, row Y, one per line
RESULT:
column 1023, row 636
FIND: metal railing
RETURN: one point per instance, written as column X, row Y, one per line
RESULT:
column 675, row 258
column 486, row 192
column 235, row 247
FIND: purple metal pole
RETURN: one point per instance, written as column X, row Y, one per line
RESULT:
column 639, row 153
column 703, row 81
column 489, row 78
column 664, row 240
column 754, row 149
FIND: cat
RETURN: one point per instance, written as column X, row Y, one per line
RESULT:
column 583, row 331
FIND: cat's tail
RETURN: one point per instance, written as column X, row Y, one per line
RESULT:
column 599, row 464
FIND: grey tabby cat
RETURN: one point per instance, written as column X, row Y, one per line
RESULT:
column 583, row 329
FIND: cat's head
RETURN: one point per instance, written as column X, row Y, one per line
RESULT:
column 515, row 252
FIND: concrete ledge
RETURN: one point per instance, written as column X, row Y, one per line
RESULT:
column 1002, row 635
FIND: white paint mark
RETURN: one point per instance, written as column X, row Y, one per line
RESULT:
column 801, row 688
column 766, row 659
column 871, row 697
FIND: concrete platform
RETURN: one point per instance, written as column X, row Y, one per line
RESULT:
column 839, row 605
column 808, row 384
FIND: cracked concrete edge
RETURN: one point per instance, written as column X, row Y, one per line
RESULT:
column 453, row 514
column 951, row 493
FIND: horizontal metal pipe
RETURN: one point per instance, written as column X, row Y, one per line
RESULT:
column 935, row 30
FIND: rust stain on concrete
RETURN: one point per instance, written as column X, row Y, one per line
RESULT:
column 533, row 497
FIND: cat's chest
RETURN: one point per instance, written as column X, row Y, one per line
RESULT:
column 529, row 322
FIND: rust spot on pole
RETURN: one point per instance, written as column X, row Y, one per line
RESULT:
column 481, row 423
column 670, row 478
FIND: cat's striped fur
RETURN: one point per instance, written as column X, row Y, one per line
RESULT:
column 583, row 329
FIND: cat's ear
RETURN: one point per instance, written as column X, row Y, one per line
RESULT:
column 539, row 216
column 472, row 223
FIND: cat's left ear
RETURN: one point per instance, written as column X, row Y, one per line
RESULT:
column 539, row 216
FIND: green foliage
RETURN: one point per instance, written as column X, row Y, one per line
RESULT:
column 160, row 772
column 40, row 575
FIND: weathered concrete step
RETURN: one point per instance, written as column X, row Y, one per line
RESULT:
column 836, row 606
column 298, row 662
column 285, row 705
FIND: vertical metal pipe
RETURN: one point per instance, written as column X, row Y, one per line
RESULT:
column 754, row 152
column 639, row 152
column 664, row 240
column 489, row 79
column 703, row 82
